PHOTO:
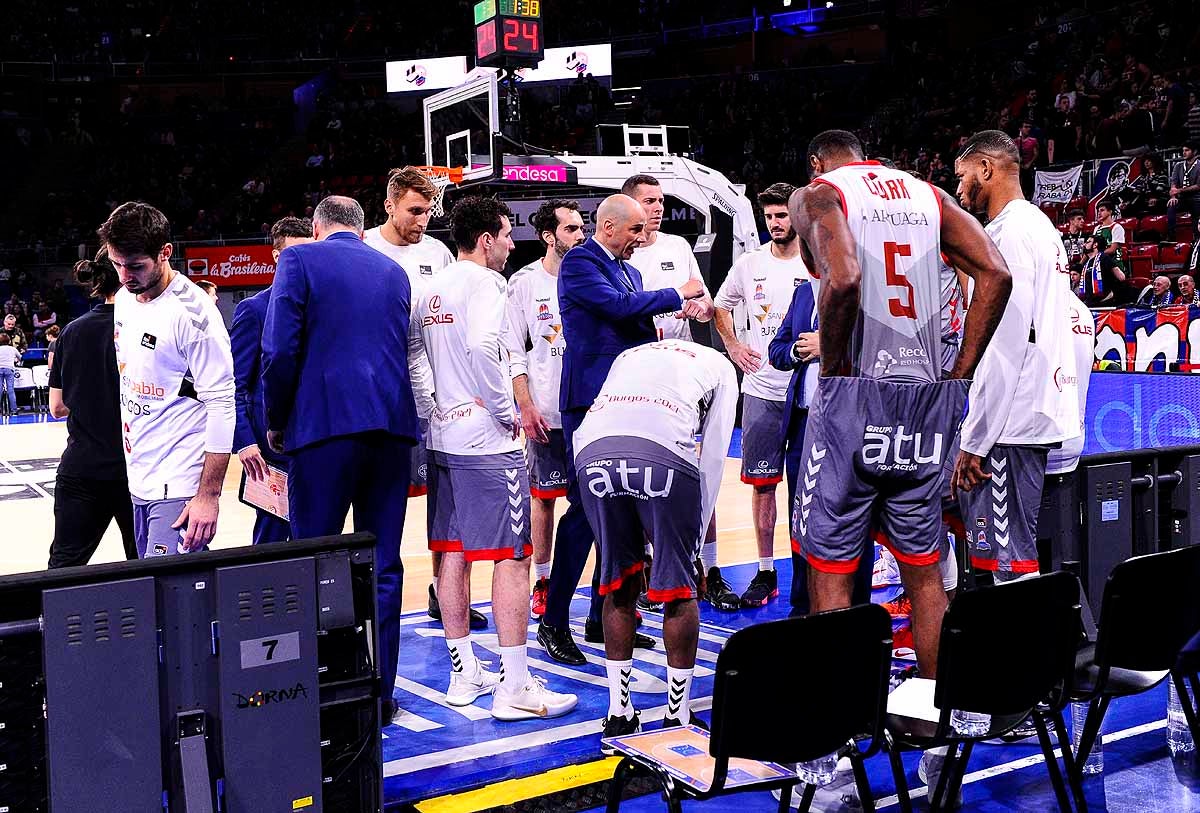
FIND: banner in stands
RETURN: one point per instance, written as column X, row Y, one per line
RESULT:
column 1146, row 340
column 247, row 265
column 1056, row 187
column 1127, row 412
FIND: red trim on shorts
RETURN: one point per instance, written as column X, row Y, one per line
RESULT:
column 1019, row 566
column 547, row 495
column 496, row 554
column 674, row 594
column 417, row 491
column 829, row 566
column 762, row 481
column 796, row 546
column 616, row 583
column 446, row 545
column 842, row 195
column 955, row 522
column 921, row 560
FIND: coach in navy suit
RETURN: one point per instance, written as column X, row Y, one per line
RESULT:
column 796, row 347
column 245, row 336
column 339, row 398
column 604, row 313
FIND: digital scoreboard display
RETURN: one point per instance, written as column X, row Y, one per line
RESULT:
column 508, row 33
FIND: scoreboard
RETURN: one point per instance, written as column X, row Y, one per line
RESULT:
column 508, row 33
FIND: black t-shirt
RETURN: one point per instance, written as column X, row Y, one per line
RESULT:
column 85, row 369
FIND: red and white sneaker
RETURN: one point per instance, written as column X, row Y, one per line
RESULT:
column 537, row 601
column 902, row 645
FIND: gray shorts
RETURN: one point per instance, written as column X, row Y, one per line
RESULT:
column 478, row 505
column 1000, row 516
column 875, row 450
column 547, row 463
column 632, row 488
column 152, row 531
column 418, row 480
column 764, row 424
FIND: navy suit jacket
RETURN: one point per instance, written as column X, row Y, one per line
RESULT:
column 335, row 344
column 602, row 318
column 246, row 336
column 801, row 317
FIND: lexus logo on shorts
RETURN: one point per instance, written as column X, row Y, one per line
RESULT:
column 762, row 464
column 555, row 475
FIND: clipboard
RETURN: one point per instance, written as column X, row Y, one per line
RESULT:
column 270, row 495
column 683, row 752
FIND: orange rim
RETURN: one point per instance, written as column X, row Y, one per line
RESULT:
column 453, row 174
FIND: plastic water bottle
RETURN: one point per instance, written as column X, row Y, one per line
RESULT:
column 1095, row 760
column 970, row 723
column 1179, row 736
column 819, row 772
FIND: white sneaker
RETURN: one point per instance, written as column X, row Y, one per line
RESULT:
column 534, row 700
column 465, row 690
column 929, row 771
column 886, row 572
column 841, row 796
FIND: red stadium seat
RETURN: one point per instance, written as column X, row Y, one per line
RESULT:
column 1140, row 282
column 1078, row 203
column 1185, row 229
column 1153, row 227
column 1175, row 257
column 1147, row 250
column 1129, row 224
column 1053, row 211
column 1063, row 228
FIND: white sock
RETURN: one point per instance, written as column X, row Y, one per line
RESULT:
column 766, row 563
column 619, row 674
column 541, row 570
column 679, row 694
column 514, row 668
column 708, row 555
column 435, row 585
column 462, row 657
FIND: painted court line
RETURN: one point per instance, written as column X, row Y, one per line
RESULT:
column 1026, row 762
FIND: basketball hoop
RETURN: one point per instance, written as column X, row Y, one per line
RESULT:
column 443, row 178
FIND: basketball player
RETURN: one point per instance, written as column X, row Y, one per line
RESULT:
column 882, row 420
column 177, row 389
column 478, row 487
column 763, row 281
column 534, row 323
column 667, row 261
column 408, row 199
column 641, row 475
column 1003, row 443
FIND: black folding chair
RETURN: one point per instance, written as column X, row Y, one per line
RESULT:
column 768, row 710
column 1149, row 613
column 1007, row 650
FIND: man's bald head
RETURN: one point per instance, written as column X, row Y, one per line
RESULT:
column 337, row 213
column 620, row 225
column 989, row 160
column 1162, row 285
column 1187, row 286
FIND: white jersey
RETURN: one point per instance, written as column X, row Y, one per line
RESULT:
column 669, row 263
column 765, row 285
column 461, row 318
column 669, row 392
column 421, row 261
column 1083, row 345
column 952, row 316
column 1015, row 398
column 533, row 319
column 896, row 221
column 177, row 392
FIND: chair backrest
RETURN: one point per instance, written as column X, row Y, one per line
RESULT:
column 41, row 375
column 801, row 688
column 1150, row 610
column 1007, row 647
column 24, row 380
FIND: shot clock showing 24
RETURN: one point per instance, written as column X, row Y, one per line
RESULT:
column 508, row 33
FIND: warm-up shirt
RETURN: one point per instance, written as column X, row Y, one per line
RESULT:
column 461, row 317
column 534, row 337
column 669, row 263
column 1082, row 327
column 177, row 389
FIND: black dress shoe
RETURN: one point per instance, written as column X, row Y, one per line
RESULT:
column 593, row 633
column 560, row 645
column 478, row 619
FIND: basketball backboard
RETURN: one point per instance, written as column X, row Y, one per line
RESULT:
column 461, row 126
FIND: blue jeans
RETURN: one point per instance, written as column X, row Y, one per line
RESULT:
column 8, row 383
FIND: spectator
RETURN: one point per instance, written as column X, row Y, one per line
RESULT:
column 16, row 336
column 1187, row 291
column 1028, row 147
column 44, row 318
column 1076, row 278
column 1103, row 282
column 1159, row 294
column 209, row 288
column 51, row 341
column 1185, row 188
column 57, row 300
column 1066, row 134
column 1074, row 239
column 1193, row 118
column 1112, row 231
column 1147, row 193
column 8, row 375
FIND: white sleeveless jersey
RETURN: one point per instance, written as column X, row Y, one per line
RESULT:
column 896, row 221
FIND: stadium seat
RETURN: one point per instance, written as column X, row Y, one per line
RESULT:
column 1053, row 211
column 1185, row 228
column 1140, row 282
column 1153, row 227
column 1149, row 613
column 1063, row 228
column 1142, row 259
column 41, row 382
column 817, row 711
column 1129, row 224
column 1039, row 619
column 1174, row 257
column 1078, row 203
